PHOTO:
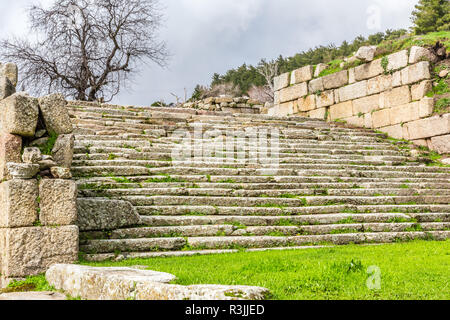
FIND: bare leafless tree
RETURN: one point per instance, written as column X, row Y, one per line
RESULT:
column 269, row 70
column 87, row 49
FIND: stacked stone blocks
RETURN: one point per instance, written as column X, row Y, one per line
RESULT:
column 37, row 214
column 387, row 94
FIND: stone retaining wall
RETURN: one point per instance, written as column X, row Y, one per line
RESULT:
column 387, row 94
column 37, row 196
column 227, row 104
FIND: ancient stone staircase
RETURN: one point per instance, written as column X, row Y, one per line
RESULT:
column 333, row 185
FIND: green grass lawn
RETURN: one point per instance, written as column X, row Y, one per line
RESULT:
column 411, row 270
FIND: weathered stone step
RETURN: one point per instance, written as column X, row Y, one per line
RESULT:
column 340, row 239
column 107, row 183
column 282, row 202
column 291, row 211
column 230, row 172
column 160, row 221
column 244, row 164
column 284, row 158
column 259, row 179
column 230, row 230
column 143, row 245
column 155, row 244
column 280, row 211
column 281, row 193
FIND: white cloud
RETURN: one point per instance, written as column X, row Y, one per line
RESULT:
column 207, row 36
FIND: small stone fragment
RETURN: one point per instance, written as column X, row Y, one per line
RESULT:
column 22, row 170
column 31, row 155
column 61, row 173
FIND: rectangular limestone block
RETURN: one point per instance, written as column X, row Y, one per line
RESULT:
column 341, row 110
column 351, row 76
column 318, row 113
column 32, row 250
column 366, row 104
column 10, row 151
column 302, row 75
column 418, row 91
column 395, row 97
column 276, row 97
column 58, row 202
column 397, row 60
column 19, row 115
column 18, row 203
column 441, row 144
column 404, row 113
column 416, row 72
column 282, row 81
column 325, row 99
column 294, row 92
column 395, row 132
column 315, row 86
column 426, row 107
column 368, row 70
column 397, row 79
column 353, row 91
column 357, row 121
column 307, row 103
column 335, row 80
column 368, row 120
column 429, row 127
column 381, row 118
column 379, row 84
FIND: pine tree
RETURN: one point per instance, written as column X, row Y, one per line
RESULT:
column 431, row 15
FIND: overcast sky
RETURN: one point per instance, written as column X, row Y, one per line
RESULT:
column 207, row 36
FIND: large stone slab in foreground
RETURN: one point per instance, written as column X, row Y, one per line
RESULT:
column 32, row 250
column 33, row 296
column 134, row 284
column 105, row 214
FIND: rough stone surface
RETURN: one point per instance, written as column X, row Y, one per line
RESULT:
column 429, row 127
column 32, row 250
column 379, row 84
column 441, row 144
column 418, row 91
column 22, row 170
column 335, row 80
column 281, row 81
column 19, row 115
column 105, row 214
column 134, row 284
column 404, row 113
column 397, row 60
column 325, row 99
column 10, row 148
column 353, row 91
column 395, row 132
column 368, row 70
column 31, row 155
column 341, row 110
column 415, row 73
column 319, row 68
column 443, row 74
column 301, row 75
column 6, row 88
column 55, row 113
column 318, row 113
column 381, row 118
column 418, row 54
column 307, row 104
column 18, row 203
column 58, row 202
column 395, row 97
column 294, row 92
column 63, row 150
column 61, row 173
column 366, row 53
column 366, row 104
column 33, row 296
column 10, row 71
column 315, row 86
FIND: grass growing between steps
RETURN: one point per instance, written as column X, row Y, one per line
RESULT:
column 411, row 270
